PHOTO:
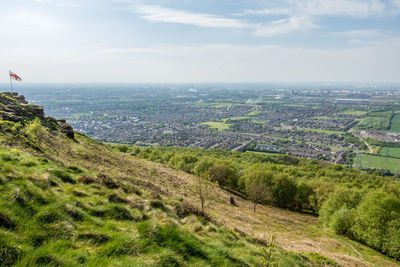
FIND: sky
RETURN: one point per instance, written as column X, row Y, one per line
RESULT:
column 200, row 40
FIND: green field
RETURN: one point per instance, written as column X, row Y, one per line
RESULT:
column 253, row 113
column 395, row 124
column 214, row 105
column 376, row 121
column 240, row 118
column 379, row 162
column 220, row 126
column 321, row 131
column 354, row 112
column 390, row 151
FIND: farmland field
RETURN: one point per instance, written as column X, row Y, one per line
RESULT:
column 376, row 121
column 322, row 131
column 390, row 151
column 253, row 113
column 380, row 162
column 395, row 124
column 354, row 112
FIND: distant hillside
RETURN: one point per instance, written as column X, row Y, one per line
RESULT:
column 66, row 200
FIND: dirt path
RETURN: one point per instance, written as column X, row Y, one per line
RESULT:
column 369, row 147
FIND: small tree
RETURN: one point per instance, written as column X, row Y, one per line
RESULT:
column 258, row 192
column 283, row 190
column 204, row 189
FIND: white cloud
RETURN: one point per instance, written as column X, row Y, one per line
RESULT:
column 133, row 50
column 269, row 11
column 59, row 3
column 355, row 41
column 359, row 33
column 28, row 20
column 286, row 26
column 161, row 14
column 167, row 15
column 352, row 8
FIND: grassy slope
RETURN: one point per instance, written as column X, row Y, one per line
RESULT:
column 49, row 216
column 296, row 232
column 129, row 215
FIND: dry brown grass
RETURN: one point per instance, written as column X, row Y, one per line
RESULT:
column 295, row 231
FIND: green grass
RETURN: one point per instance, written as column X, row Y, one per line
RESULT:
column 373, row 123
column 239, row 118
column 380, row 162
column 253, row 113
column 44, row 222
column 354, row 112
column 395, row 124
column 376, row 120
column 214, row 105
column 220, row 126
column 322, row 131
column 390, row 151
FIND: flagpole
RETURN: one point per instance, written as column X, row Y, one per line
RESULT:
column 11, row 84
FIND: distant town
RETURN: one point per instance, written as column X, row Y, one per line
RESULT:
column 346, row 124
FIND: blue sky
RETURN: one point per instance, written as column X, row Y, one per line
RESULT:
column 200, row 41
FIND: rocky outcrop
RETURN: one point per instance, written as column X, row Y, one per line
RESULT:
column 15, row 108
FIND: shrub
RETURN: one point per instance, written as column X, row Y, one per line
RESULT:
column 123, row 148
column 341, row 220
column 283, row 190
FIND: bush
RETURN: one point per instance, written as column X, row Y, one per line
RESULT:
column 283, row 190
column 123, row 148
column 341, row 220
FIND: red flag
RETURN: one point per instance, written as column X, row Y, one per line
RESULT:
column 14, row 76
